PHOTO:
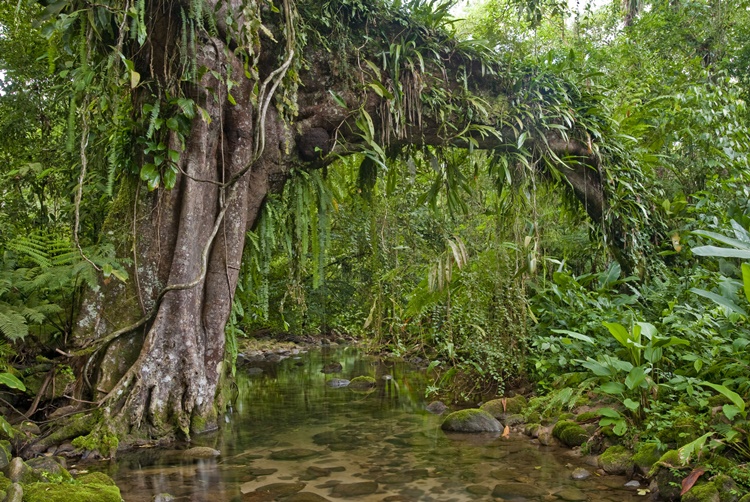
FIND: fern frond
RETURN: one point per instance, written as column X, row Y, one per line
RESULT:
column 12, row 324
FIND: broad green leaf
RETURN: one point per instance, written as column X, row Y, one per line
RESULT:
column 724, row 302
column 730, row 411
column 338, row 99
column 609, row 412
column 691, row 448
column 746, row 279
column 612, row 388
column 635, row 378
column 11, row 381
column 6, row 427
column 729, row 394
column 619, row 332
column 630, row 404
column 717, row 252
column 596, row 368
column 609, row 278
column 721, row 238
column 573, row 334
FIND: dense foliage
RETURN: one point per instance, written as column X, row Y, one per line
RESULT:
column 480, row 263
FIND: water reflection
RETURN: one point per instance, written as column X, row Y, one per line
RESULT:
column 290, row 436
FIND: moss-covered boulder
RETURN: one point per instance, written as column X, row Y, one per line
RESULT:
column 471, row 420
column 362, row 383
column 570, row 433
column 682, row 431
column 646, row 455
column 71, row 492
column 499, row 408
column 96, row 478
column 665, row 479
column 616, row 460
column 702, row 493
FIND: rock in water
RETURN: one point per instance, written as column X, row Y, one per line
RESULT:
column 293, row 454
column 580, row 473
column 337, row 383
column 201, row 452
column 331, row 368
column 348, row 490
column 472, row 420
column 436, row 408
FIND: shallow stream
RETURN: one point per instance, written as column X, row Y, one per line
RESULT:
column 291, row 436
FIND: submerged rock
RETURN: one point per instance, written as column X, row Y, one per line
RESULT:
column 580, row 473
column 201, row 452
column 362, row 382
column 293, row 454
column 471, row 420
column 332, row 368
column 571, row 495
column 517, row 490
column 337, row 383
column 347, row 490
column 436, row 408
column 306, row 497
column 281, row 489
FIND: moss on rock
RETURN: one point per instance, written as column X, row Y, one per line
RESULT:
column 586, row 416
column 702, row 493
column 362, row 382
column 71, row 492
column 471, row 420
column 570, row 433
column 96, row 478
column 104, row 443
column 646, row 455
column 505, row 406
column 669, row 459
column 616, row 460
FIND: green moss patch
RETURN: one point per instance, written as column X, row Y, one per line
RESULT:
column 70, row 492
column 362, row 382
column 616, row 460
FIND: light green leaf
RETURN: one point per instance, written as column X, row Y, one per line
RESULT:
column 573, row 334
column 631, row 405
column 619, row 332
column 717, row 252
column 612, row 388
column 746, row 279
column 724, row 302
column 729, row 394
column 338, row 99
column 11, row 381
column 635, row 378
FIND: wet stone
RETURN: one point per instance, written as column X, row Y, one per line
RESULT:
column 328, row 484
column 572, row 495
column 478, row 489
column 331, row 368
column 511, row 490
column 306, row 497
column 201, row 452
column 281, row 489
column 580, row 473
column 437, row 408
column 337, row 383
column 395, row 478
column 293, row 454
column 258, row 497
column 632, row 484
column 346, row 490
column 257, row 471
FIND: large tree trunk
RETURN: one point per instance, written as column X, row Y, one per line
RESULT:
column 153, row 359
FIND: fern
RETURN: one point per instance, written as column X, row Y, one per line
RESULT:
column 12, row 324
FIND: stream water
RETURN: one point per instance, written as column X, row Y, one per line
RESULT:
column 291, row 436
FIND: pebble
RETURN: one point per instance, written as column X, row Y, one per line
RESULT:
column 580, row 473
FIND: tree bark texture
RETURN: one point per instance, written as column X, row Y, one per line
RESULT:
column 162, row 377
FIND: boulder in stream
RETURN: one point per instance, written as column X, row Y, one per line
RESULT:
column 201, row 452
column 471, row 420
column 362, row 383
column 332, row 368
column 437, row 408
column 337, row 383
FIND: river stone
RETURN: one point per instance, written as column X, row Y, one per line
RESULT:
column 258, row 497
column 471, row 420
column 331, row 368
column 163, row 497
column 337, row 383
column 346, row 490
column 545, row 437
column 580, row 474
column 15, row 493
column 315, row 472
column 395, row 478
column 515, row 490
column 259, row 471
column 281, row 489
column 42, row 467
column 18, row 471
column 616, row 460
column 478, row 489
column 293, row 454
column 437, row 408
column 632, row 484
column 571, row 495
column 201, row 452
column 362, row 382
column 306, row 497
